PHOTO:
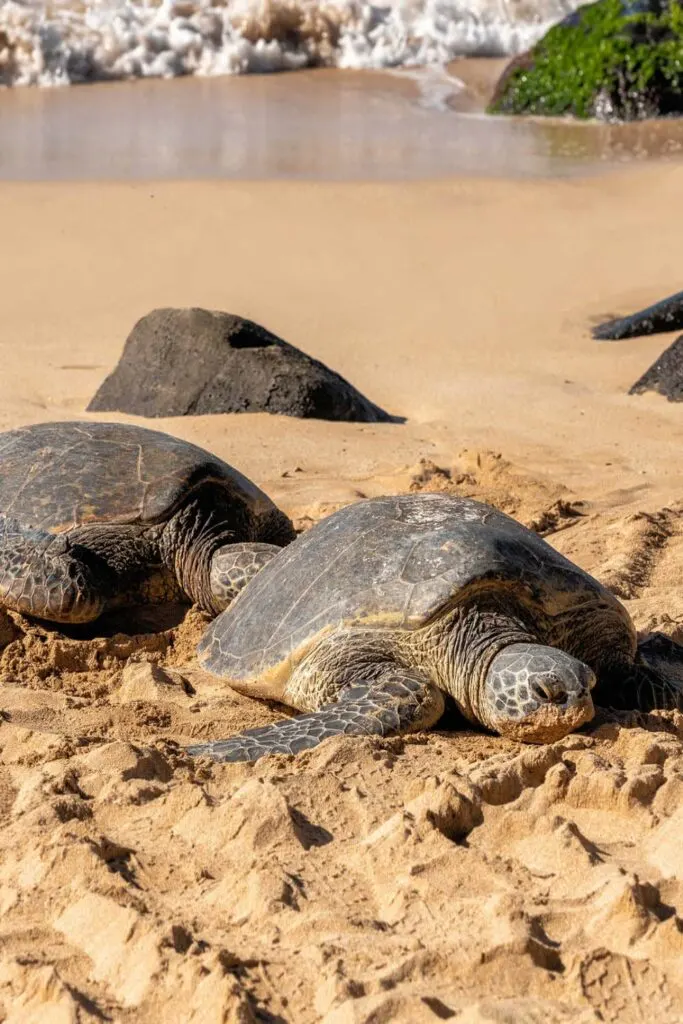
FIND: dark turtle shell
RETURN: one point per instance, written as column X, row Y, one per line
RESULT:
column 58, row 476
column 387, row 563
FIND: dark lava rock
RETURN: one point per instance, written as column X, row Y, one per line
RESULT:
column 665, row 375
column 616, row 60
column 183, row 362
column 666, row 315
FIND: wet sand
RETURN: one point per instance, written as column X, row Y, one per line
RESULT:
column 449, row 876
column 323, row 124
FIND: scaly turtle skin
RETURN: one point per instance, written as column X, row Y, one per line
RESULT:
column 367, row 620
column 96, row 515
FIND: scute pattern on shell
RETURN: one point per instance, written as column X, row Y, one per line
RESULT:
column 57, row 476
column 393, row 562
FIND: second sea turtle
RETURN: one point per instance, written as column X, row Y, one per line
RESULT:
column 95, row 515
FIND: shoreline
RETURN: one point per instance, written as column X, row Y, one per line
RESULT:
column 325, row 124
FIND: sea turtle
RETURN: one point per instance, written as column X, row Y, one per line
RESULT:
column 367, row 620
column 94, row 515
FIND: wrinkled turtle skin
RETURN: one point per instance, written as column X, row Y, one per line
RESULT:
column 370, row 618
column 98, row 515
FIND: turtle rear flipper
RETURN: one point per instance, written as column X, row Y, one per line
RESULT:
column 47, row 577
column 399, row 701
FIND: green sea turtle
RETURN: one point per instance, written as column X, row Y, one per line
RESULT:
column 95, row 515
column 367, row 620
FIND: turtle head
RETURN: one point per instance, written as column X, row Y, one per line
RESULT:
column 536, row 694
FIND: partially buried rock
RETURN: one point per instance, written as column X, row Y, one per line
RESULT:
column 181, row 362
column 665, row 375
column 663, row 316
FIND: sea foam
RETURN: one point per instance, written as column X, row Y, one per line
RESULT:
column 70, row 41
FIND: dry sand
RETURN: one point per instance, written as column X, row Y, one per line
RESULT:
column 445, row 876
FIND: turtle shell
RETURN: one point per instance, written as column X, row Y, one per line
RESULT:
column 386, row 563
column 58, row 476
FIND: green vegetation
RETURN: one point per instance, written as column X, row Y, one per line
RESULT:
column 610, row 59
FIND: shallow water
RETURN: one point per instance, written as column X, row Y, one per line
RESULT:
column 324, row 124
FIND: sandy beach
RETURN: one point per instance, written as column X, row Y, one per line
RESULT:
column 449, row 875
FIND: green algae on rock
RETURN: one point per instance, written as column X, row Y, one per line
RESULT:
column 614, row 60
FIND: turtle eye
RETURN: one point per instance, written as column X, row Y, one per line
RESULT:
column 549, row 691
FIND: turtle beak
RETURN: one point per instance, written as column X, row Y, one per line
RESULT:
column 551, row 720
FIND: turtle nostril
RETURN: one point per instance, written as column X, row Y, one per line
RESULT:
column 549, row 691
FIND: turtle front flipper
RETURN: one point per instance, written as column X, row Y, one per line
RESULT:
column 232, row 566
column 47, row 577
column 399, row 701
column 653, row 683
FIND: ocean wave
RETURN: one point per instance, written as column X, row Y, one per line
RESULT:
column 58, row 42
